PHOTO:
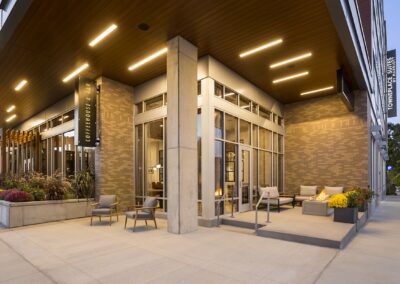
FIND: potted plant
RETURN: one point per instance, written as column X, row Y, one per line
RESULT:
column 345, row 207
column 364, row 198
column 83, row 184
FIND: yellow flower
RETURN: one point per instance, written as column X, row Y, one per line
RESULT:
column 338, row 201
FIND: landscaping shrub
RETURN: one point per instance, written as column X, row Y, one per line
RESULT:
column 18, row 196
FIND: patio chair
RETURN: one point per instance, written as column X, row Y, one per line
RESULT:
column 145, row 212
column 332, row 190
column 106, row 207
column 276, row 199
column 306, row 192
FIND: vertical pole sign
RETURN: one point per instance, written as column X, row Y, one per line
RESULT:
column 85, row 99
column 391, row 83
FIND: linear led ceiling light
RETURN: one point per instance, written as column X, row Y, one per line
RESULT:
column 148, row 59
column 10, row 108
column 103, row 35
column 262, row 47
column 290, row 77
column 11, row 118
column 75, row 73
column 316, row 91
column 21, row 85
column 290, row 60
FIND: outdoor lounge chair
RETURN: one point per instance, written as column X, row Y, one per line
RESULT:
column 276, row 199
column 145, row 212
column 106, row 207
column 306, row 192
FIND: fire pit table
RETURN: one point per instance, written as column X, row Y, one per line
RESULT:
column 316, row 207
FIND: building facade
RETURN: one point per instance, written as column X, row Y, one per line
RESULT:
column 244, row 135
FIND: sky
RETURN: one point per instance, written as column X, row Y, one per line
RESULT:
column 392, row 16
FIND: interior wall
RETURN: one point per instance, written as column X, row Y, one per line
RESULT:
column 325, row 144
column 114, row 156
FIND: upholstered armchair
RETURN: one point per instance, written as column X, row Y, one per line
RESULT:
column 106, row 207
column 145, row 212
column 276, row 199
column 306, row 193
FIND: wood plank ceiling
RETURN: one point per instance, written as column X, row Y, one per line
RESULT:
column 52, row 39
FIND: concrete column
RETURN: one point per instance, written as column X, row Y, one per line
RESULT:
column 208, row 149
column 181, row 136
column 3, row 153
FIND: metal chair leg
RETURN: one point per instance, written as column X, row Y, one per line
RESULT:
column 126, row 220
column 91, row 220
column 155, row 223
column 100, row 218
column 134, row 225
column 110, row 219
column 145, row 221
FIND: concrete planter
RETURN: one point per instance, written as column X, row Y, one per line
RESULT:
column 17, row 214
column 346, row 215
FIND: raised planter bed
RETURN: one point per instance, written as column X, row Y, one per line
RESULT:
column 17, row 214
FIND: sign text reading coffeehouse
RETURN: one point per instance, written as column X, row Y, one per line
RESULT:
column 86, row 94
column 391, row 83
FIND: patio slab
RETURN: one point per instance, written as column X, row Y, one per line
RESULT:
column 292, row 225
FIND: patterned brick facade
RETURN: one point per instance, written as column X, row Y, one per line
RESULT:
column 115, row 155
column 325, row 144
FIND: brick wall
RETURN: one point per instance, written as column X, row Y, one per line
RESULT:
column 326, row 144
column 115, row 155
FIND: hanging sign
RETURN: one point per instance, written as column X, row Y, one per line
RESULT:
column 391, row 83
column 85, row 94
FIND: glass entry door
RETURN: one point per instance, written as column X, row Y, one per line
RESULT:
column 245, row 178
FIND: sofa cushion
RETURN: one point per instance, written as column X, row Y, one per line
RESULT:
column 101, row 211
column 149, row 202
column 273, row 191
column 105, row 201
column 139, row 215
column 302, row 197
column 332, row 190
column 282, row 201
column 308, row 190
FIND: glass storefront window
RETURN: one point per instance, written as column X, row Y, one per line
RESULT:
column 280, row 173
column 276, row 142
column 245, row 132
column 231, row 179
column 199, row 195
column 69, row 150
column 265, row 137
column 43, row 156
column 231, row 128
column 154, row 103
column 139, row 107
column 264, row 168
column 264, row 113
column 218, row 122
column 57, row 153
column 254, row 136
column 218, row 175
column 56, row 121
column 198, row 88
column 245, row 103
column 275, row 170
column 231, row 96
column 43, row 127
column 254, row 108
column 154, row 159
column 255, row 176
column 218, row 90
column 139, row 161
column 68, row 116
column 280, row 144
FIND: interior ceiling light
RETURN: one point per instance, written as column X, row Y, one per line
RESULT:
column 290, row 77
column 11, row 118
column 262, row 47
column 316, row 91
column 103, row 35
column 76, row 72
column 147, row 59
column 290, row 60
column 21, row 85
column 10, row 109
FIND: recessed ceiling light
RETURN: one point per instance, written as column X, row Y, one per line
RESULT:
column 290, row 77
column 147, row 59
column 21, row 85
column 262, row 47
column 76, row 72
column 284, row 62
column 316, row 91
column 10, row 108
column 103, row 35
column 11, row 118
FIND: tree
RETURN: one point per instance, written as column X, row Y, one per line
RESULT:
column 394, row 156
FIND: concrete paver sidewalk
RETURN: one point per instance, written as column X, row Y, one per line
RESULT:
column 74, row 252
